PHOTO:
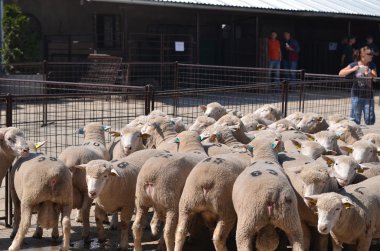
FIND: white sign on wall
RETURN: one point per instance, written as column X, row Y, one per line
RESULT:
column 179, row 46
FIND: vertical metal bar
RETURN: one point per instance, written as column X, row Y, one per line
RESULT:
column 284, row 108
column 44, row 104
column 257, row 41
column 302, row 77
column 175, row 98
column 8, row 199
column 69, row 47
column 147, row 99
column 198, row 39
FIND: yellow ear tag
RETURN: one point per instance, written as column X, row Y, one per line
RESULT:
column 347, row 205
column 115, row 134
column 39, row 144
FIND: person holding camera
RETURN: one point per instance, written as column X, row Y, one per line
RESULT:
column 362, row 100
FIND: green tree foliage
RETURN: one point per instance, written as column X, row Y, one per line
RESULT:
column 21, row 42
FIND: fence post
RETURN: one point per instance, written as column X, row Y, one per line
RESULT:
column 175, row 98
column 148, row 99
column 44, row 104
column 301, row 106
column 285, row 90
column 8, row 199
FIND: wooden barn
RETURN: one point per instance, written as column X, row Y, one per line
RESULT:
column 214, row 32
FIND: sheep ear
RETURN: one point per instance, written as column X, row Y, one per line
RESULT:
column 361, row 168
column 114, row 172
column 80, row 131
column 81, row 167
column 212, row 137
column 145, row 136
column 378, row 151
column 320, row 119
column 114, row 134
column 347, row 149
column 296, row 143
column 331, row 152
column 312, row 199
column 249, row 148
column 40, row 144
column 202, row 137
column 203, row 108
column 276, row 143
column 310, row 137
column 260, row 127
column 1, row 136
column 233, row 128
column 347, row 204
column 329, row 160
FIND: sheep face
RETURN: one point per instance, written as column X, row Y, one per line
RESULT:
column 268, row 112
column 295, row 118
column 311, row 149
column 343, row 169
column 214, row 110
column 98, row 173
column 13, row 139
column 130, row 141
column 329, row 207
column 150, row 128
column 201, row 123
column 364, row 151
column 314, row 180
column 311, row 123
column 327, row 139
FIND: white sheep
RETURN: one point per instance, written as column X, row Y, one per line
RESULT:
column 348, row 131
column 213, row 110
column 43, row 184
column 12, row 144
column 355, row 205
column 312, row 123
column 93, row 147
column 373, row 138
column 327, row 139
column 160, row 184
column 310, row 149
column 273, row 201
column 295, row 117
column 363, row 151
column 282, row 125
column 208, row 190
column 112, row 185
column 201, row 123
column 268, row 113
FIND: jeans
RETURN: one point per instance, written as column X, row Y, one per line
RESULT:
column 290, row 65
column 274, row 64
column 365, row 105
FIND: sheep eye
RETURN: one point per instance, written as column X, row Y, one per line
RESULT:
column 11, row 140
column 337, row 209
column 105, row 176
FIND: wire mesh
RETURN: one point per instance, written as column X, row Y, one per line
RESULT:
column 201, row 76
column 3, row 114
column 246, row 99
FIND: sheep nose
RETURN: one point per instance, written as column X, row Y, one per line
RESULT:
column 92, row 193
column 25, row 150
column 323, row 228
column 298, row 128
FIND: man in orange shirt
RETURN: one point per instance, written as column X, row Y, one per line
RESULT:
column 274, row 55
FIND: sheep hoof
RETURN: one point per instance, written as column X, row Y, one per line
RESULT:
column 113, row 227
column 12, row 235
column 87, row 239
column 37, row 235
column 55, row 239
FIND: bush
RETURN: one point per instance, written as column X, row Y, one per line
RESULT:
column 20, row 42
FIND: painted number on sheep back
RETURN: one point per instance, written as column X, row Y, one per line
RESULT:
column 258, row 173
column 163, row 155
column 88, row 143
column 358, row 190
column 44, row 158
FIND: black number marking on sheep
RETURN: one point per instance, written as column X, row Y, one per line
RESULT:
column 122, row 165
column 273, row 172
column 96, row 144
column 114, row 160
column 86, row 144
column 207, row 160
column 53, row 159
column 41, row 159
column 256, row 173
column 218, row 161
column 358, row 190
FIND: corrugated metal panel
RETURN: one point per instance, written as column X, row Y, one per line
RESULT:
column 349, row 7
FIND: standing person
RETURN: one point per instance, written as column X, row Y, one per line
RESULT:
column 274, row 56
column 290, row 50
column 361, row 92
column 349, row 52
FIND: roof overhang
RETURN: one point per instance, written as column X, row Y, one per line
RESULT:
column 199, row 6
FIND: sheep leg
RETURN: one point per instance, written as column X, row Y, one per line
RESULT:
column 114, row 221
column 100, row 215
column 66, row 226
column 293, row 230
column 364, row 243
column 244, row 236
column 38, row 232
column 137, row 226
column 306, row 236
column 26, row 212
column 125, row 217
column 17, row 214
column 183, row 228
column 79, row 216
column 323, row 241
column 221, row 232
column 169, row 229
column 55, row 234
column 86, row 218
column 154, row 225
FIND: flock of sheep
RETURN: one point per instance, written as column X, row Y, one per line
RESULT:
column 252, row 174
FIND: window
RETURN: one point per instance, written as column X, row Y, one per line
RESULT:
column 108, row 31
